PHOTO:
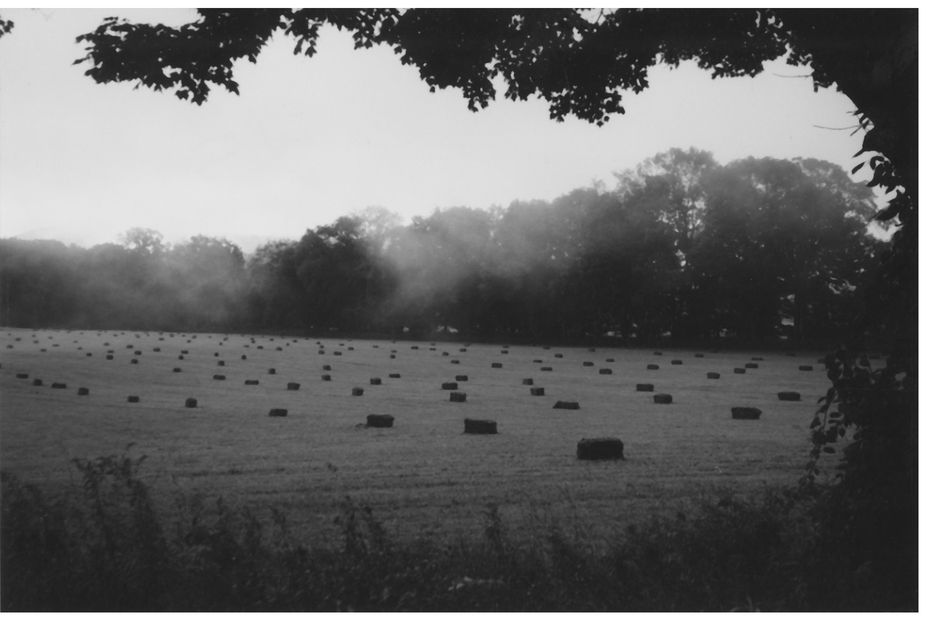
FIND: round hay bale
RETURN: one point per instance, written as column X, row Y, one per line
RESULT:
column 216, row 354
column 658, row 353
column 327, row 367
column 59, row 386
column 496, row 365
column 293, row 386
column 326, row 377
column 528, row 382
column 676, row 362
column 394, row 375
column 36, row 382
column 219, row 377
column 337, row 353
column 82, row 391
column 558, row 355
column 133, row 361
column 184, row 352
column 600, row 448
column 462, row 350
column 713, row 375
column 109, row 357
column 653, row 367
column 175, row 369
column 244, row 357
column 537, row 391
column 788, row 396
column 605, row 371
column 272, row 371
column 644, row 387
column 663, row 399
column 751, row 365
column 414, row 347
column 546, row 369
column 458, row 397
column 190, row 403
column 133, row 399
column 279, row 349
column 538, row 361
column 592, row 349
column 157, row 349
column 89, row 354
column 699, row 355
column 460, row 377
column 392, row 356
column 566, row 404
column 479, row 427
column 740, row 371
column 180, row 357
column 138, row 353
column 380, row 420
column 610, row 360
column 376, row 381
column 806, row 368
column 449, row 385
column 356, row 391
column 745, row 413
column 277, row 413
column 757, row 359
column 22, row 375
column 587, row 363
column 251, row 382
column 444, row 354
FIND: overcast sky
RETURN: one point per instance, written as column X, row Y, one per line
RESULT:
column 309, row 140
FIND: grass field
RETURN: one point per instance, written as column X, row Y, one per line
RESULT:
column 423, row 477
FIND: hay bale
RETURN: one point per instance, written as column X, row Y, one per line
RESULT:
column 277, row 413
column 740, row 371
column 180, row 357
column 380, row 420
column 713, row 375
column 337, row 353
column 699, row 355
column 788, row 396
column 566, row 404
column 806, row 368
column 653, row 367
column 109, row 357
column 251, row 382
column 644, row 387
column 757, row 359
column 272, row 371
column 133, row 361
column 356, row 391
column 89, row 354
column 394, row 375
column 558, row 355
column 184, row 352
column 37, row 382
column 449, row 385
column 376, row 381
column 326, row 377
column 82, row 391
column 658, row 353
column 133, row 399
column 610, row 360
column 327, row 367
column 537, row 391
column 496, row 365
column 293, row 386
column 138, row 353
column 461, row 378
column 479, row 427
column 745, row 413
column 219, row 377
column 392, row 356
column 190, row 403
column 605, row 371
column 663, row 399
column 547, row 369
column 528, row 382
column 538, row 361
column 244, row 357
column 22, row 375
column 676, row 362
column 414, row 347
column 458, row 397
column 751, row 365
column 600, row 448
column 215, row 354
column 587, row 363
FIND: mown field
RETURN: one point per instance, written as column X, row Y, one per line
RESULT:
column 424, row 477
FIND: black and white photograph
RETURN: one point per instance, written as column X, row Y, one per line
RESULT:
column 523, row 309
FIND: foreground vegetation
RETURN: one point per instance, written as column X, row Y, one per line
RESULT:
column 113, row 550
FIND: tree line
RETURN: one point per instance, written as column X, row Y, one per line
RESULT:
column 683, row 249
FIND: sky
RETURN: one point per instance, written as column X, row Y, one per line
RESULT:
column 312, row 139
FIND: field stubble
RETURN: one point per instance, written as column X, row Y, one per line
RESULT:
column 423, row 477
